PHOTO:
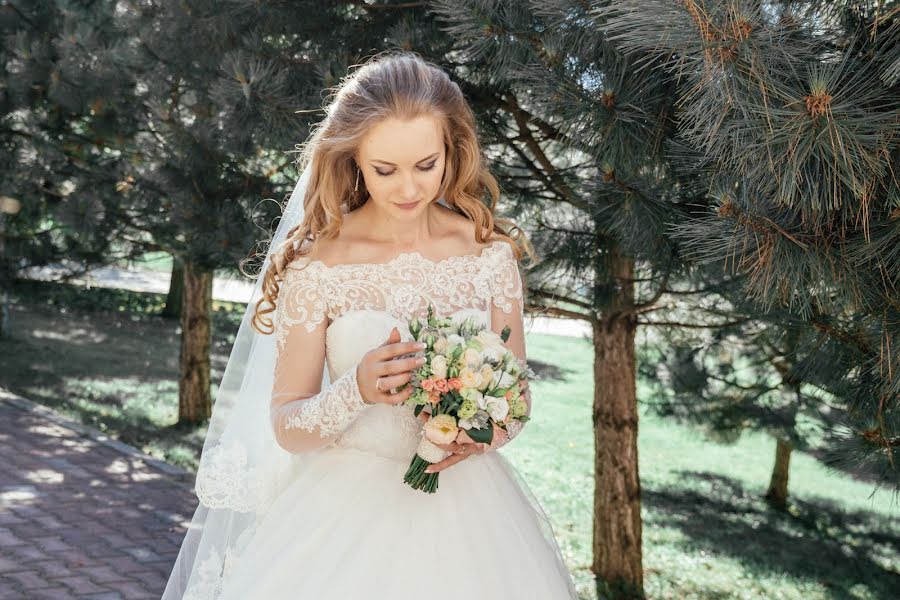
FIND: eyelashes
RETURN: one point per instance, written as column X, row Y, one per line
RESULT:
column 423, row 169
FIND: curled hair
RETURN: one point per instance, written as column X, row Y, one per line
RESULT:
column 399, row 85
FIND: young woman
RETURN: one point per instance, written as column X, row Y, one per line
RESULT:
column 308, row 502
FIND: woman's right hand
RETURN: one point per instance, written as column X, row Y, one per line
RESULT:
column 383, row 362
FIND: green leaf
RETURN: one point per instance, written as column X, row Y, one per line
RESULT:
column 481, row 435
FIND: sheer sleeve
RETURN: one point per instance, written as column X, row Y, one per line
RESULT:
column 304, row 416
column 508, row 308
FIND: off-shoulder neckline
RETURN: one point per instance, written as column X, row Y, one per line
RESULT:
column 405, row 255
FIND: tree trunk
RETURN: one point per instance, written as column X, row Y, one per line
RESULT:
column 5, row 331
column 175, row 297
column 778, row 486
column 6, row 280
column 194, row 398
column 617, row 488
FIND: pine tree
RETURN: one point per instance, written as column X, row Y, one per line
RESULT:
column 631, row 148
column 790, row 112
column 60, row 136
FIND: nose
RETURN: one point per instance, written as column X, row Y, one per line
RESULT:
column 409, row 191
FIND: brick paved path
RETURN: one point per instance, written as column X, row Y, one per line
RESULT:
column 80, row 518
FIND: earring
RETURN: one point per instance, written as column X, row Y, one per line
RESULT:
column 356, row 188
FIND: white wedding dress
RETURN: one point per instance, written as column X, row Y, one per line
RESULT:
column 346, row 526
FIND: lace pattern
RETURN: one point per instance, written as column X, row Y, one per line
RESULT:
column 300, row 302
column 210, row 576
column 224, row 480
column 328, row 412
column 402, row 286
column 207, row 579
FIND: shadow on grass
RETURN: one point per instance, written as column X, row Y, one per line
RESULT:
column 814, row 540
column 114, row 371
column 549, row 371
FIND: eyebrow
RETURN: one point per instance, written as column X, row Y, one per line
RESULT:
column 384, row 162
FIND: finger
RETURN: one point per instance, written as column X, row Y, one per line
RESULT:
column 463, row 437
column 401, row 396
column 447, row 462
column 395, row 381
column 396, row 348
column 402, row 365
column 451, row 447
column 393, row 337
column 409, row 347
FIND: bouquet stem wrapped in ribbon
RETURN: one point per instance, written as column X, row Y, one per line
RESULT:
column 470, row 381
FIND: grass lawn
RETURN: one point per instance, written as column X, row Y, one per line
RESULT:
column 100, row 357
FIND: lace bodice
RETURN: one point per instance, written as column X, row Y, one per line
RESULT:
column 348, row 309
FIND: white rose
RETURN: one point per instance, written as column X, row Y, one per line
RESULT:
column 487, row 337
column 472, row 357
column 494, row 352
column 469, row 377
column 441, row 345
column 455, row 338
column 439, row 366
column 487, row 375
column 498, row 408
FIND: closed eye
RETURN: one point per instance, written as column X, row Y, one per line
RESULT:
column 424, row 168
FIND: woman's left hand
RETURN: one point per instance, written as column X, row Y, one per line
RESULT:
column 464, row 446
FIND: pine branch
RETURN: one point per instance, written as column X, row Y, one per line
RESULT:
column 695, row 325
column 557, row 298
column 561, row 312
column 521, row 117
column 398, row 6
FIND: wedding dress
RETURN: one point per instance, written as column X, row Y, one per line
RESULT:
column 346, row 526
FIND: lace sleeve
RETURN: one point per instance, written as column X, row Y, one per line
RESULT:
column 304, row 416
column 508, row 308
column 506, row 282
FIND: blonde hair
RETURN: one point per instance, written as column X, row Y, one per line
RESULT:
column 399, row 85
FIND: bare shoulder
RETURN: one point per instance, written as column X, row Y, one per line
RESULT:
column 339, row 249
column 462, row 233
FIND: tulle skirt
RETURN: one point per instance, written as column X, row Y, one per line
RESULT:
column 347, row 527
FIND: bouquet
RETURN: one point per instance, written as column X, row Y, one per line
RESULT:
column 470, row 381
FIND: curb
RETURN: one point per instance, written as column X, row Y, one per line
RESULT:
column 96, row 435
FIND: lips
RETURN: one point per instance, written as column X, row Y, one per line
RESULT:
column 410, row 205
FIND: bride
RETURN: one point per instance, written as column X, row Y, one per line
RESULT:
column 301, row 476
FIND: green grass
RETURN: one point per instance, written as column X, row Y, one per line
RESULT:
column 101, row 356
column 154, row 261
